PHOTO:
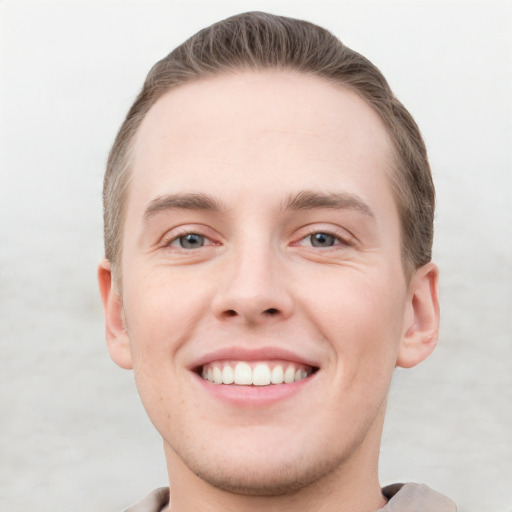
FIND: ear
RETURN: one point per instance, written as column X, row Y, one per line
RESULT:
column 421, row 325
column 115, row 328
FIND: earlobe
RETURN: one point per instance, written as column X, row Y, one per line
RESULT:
column 116, row 334
column 421, row 325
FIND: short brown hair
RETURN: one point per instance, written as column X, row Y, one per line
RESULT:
column 261, row 41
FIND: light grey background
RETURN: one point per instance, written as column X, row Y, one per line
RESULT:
column 72, row 432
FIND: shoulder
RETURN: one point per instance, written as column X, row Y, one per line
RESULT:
column 415, row 498
column 155, row 501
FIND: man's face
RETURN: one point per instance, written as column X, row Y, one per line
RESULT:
column 261, row 243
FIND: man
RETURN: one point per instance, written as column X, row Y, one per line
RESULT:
column 268, row 231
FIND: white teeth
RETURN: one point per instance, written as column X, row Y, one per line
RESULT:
column 261, row 375
column 277, row 376
column 289, row 375
column 300, row 374
column 243, row 374
column 217, row 375
column 228, row 375
column 256, row 374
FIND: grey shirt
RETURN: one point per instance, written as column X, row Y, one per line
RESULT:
column 401, row 498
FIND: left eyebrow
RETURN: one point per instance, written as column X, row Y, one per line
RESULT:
column 309, row 200
column 181, row 202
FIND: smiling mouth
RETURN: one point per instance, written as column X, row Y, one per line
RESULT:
column 255, row 373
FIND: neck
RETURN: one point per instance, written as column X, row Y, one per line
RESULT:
column 352, row 487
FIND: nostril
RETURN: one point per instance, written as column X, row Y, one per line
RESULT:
column 230, row 313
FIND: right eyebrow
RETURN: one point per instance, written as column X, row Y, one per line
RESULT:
column 183, row 202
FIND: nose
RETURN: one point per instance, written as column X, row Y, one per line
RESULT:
column 253, row 287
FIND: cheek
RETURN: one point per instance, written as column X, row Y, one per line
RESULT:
column 361, row 318
column 157, row 320
column 164, row 306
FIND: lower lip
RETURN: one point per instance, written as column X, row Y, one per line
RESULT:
column 253, row 395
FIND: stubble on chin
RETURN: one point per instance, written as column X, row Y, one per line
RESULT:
column 240, row 479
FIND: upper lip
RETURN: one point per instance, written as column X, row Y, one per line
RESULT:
column 238, row 353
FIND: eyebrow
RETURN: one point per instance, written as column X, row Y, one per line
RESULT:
column 309, row 200
column 304, row 200
column 183, row 202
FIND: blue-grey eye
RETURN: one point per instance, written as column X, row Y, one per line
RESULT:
column 191, row 241
column 322, row 240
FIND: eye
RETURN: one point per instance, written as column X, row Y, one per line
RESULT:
column 322, row 240
column 189, row 241
column 325, row 239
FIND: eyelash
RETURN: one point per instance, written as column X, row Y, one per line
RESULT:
column 338, row 239
column 175, row 243
column 171, row 240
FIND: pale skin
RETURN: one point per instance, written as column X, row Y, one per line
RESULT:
column 260, row 226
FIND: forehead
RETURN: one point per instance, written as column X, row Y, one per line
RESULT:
column 264, row 130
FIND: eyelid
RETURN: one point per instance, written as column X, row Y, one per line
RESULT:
column 188, row 229
column 176, row 242
column 343, row 236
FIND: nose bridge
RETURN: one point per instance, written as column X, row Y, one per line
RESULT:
column 253, row 286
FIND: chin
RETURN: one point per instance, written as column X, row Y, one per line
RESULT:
column 267, row 477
